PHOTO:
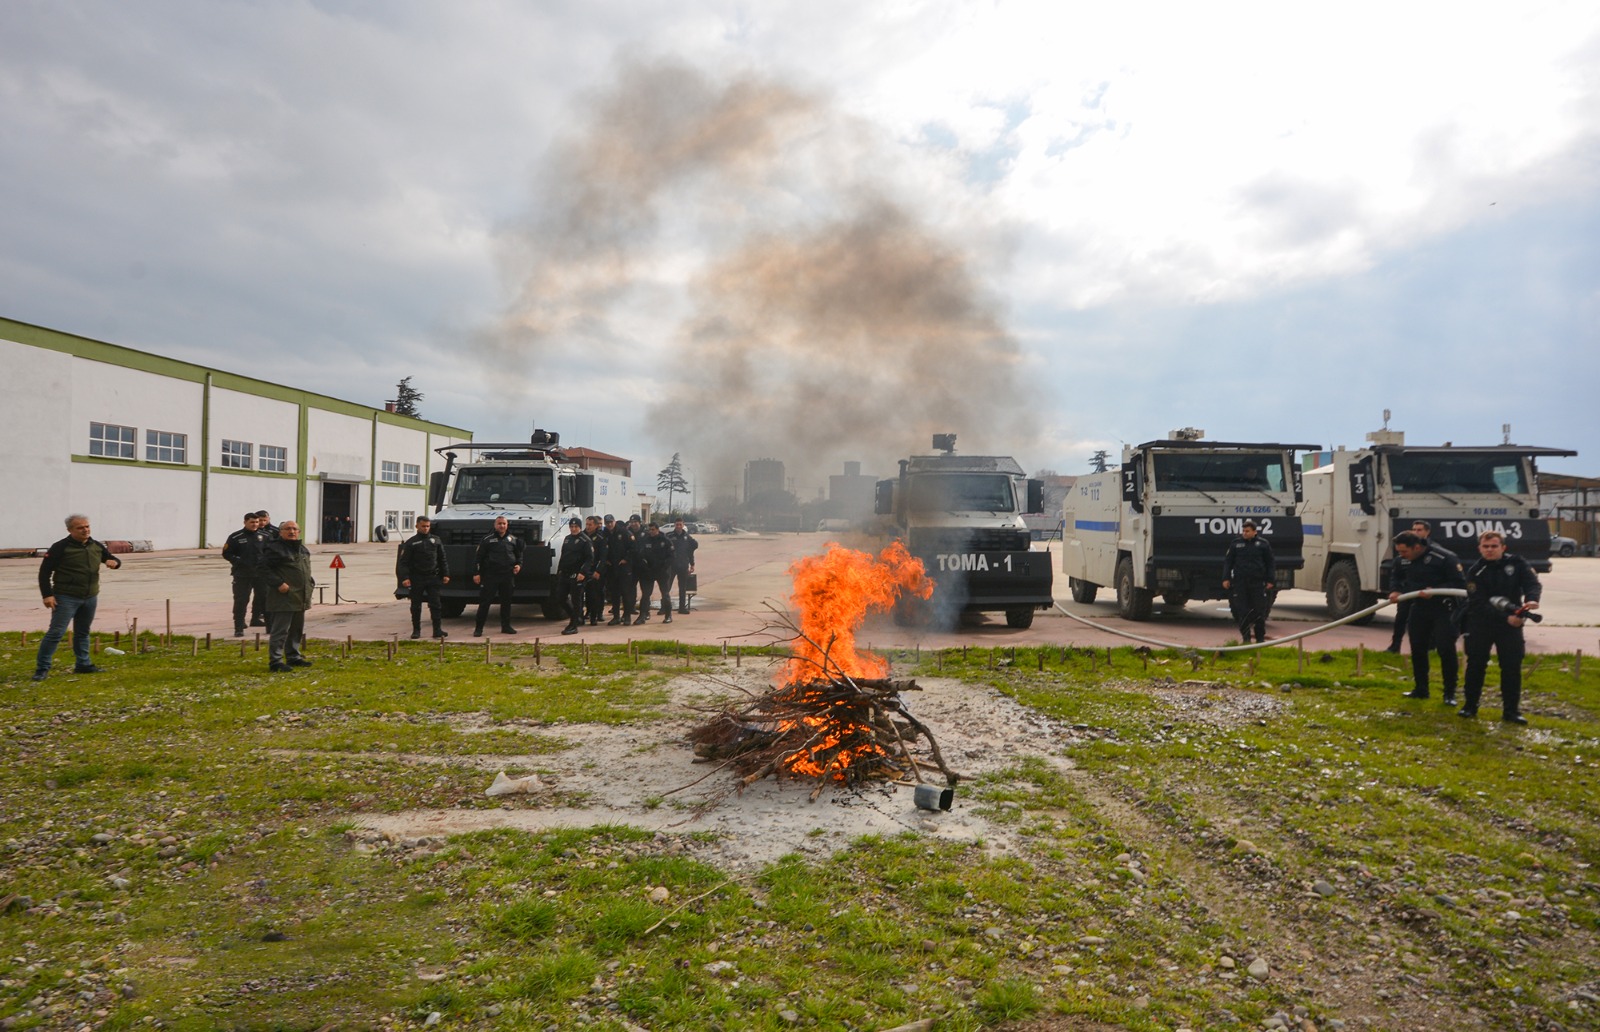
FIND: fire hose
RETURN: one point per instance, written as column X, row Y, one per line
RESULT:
column 1352, row 618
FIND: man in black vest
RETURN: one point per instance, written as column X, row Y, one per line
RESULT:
column 1247, row 575
column 69, row 583
column 573, row 569
column 594, row 589
column 498, row 561
column 683, row 549
column 655, row 571
column 424, row 569
column 621, row 550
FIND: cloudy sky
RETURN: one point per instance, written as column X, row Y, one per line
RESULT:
column 820, row 230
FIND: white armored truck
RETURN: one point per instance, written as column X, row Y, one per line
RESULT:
column 1161, row 523
column 962, row 516
column 533, row 487
column 1356, row 504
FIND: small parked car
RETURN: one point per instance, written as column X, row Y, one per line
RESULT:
column 1563, row 546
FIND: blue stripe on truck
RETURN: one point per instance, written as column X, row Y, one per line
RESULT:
column 1110, row 525
column 1311, row 529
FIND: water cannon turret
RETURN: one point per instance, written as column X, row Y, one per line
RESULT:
column 1187, row 433
column 545, row 438
column 945, row 443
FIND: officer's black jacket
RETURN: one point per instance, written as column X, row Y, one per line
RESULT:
column 577, row 556
column 497, row 555
column 1435, row 568
column 683, row 548
column 1249, row 560
column 623, row 550
column 655, row 554
column 1510, row 577
column 422, row 556
column 601, row 545
column 242, row 550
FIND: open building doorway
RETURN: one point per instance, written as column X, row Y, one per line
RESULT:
column 338, row 513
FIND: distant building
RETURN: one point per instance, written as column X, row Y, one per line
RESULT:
column 763, row 477
column 156, row 450
column 850, row 495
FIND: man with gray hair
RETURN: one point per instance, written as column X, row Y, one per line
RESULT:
column 69, row 581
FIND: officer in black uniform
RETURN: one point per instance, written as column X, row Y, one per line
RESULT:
column 1402, row 612
column 594, row 589
column 266, row 533
column 574, row 567
column 1247, row 575
column 424, row 569
column 655, row 571
column 683, row 549
column 621, row 550
column 1498, row 575
column 243, row 551
column 1431, row 625
column 498, row 561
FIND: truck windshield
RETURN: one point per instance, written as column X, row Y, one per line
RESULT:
column 961, row 492
column 1458, row 474
column 1220, row 471
column 505, row 485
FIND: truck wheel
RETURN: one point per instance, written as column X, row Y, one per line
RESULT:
column 1175, row 599
column 1020, row 617
column 1082, row 591
column 1133, row 603
column 1344, row 590
column 453, row 607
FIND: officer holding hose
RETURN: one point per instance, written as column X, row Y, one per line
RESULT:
column 1431, row 626
column 1502, row 592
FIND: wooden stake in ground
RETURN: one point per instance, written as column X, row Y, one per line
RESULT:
column 1300, row 655
column 208, row 641
column 1361, row 655
column 1577, row 665
column 169, row 621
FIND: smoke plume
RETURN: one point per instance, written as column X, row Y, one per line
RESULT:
column 810, row 312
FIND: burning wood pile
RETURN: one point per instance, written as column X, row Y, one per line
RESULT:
column 834, row 716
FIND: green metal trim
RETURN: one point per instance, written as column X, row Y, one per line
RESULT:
column 103, row 460
column 205, row 442
column 372, row 475
column 234, row 472
column 144, row 361
column 302, row 453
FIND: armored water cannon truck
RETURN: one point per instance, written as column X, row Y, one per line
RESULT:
column 533, row 487
column 962, row 516
column 1356, row 504
column 1161, row 524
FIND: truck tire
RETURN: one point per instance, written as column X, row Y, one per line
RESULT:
column 1133, row 603
column 453, row 606
column 1176, row 599
column 1020, row 617
column 1344, row 591
column 1082, row 591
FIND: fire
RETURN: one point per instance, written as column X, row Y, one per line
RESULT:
column 833, row 593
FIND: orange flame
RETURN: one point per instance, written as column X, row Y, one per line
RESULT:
column 833, row 593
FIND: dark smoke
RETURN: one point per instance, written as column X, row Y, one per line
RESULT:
column 825, row 319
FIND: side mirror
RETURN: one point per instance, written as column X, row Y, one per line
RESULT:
column 1035, row 496
column 883, row 498
column 585, row 491
column 437, row 481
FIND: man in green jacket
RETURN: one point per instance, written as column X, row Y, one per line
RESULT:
column 286, row 569
column 69, row 581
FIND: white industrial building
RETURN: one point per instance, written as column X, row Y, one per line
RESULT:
column 172, row 453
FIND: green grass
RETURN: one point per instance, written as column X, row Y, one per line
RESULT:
column 180, row 844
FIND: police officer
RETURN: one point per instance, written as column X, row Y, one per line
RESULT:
column 683, row 549
column 573, row 569
column 1248, row 569
column 655, row 571
column 424, row 569
column 1431, row 626
column 243, row 551
column 497, row 562
column 1403, row 611
column 594, row 589
column 621, row 550
column 266, row 533
column 1497, row 575
column 286, row 567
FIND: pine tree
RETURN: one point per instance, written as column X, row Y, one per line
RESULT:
column 671, row 480
column 406, row 398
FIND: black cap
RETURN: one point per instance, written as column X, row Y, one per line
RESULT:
column 574, row 522
column 610, row 517
column 634, row 518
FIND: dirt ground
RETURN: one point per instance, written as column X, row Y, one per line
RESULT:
column 740, row 575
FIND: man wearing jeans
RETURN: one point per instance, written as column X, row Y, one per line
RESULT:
column 69, row 580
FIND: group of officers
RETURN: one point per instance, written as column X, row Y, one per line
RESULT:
column 604, row 562
column 272, row 579
column 1501, row 588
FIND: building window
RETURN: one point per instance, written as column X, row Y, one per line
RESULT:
column 110, row 440
column 408, row 520
column 412, row 474
column 236, row 454
column 161, row 446
column 391, row 473
column 274, row 459
column 391, row 519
